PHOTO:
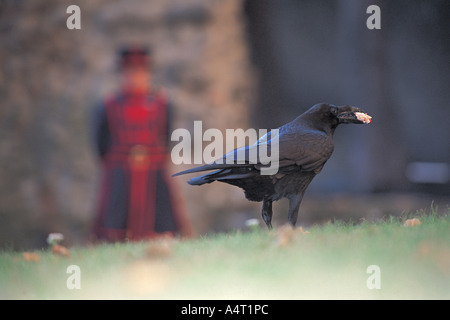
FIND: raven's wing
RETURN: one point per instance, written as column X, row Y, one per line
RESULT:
column 303, row 147
column 308, row 149
column 247, row 156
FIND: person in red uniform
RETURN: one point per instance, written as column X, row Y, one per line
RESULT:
column 136, row 199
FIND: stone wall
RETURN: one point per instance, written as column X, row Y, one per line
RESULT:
column 51, row 77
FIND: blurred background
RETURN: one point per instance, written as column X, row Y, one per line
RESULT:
column 232, row 64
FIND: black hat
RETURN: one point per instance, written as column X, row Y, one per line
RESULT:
column 134, row 56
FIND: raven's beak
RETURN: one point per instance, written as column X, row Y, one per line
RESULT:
column 350, row 114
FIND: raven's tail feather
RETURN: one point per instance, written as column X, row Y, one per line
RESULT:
column 198, row 181
column 224, row 174
column 206, row 178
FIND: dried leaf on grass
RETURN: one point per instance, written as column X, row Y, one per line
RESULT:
column 300, row 229
column 31, row 256
column 412, row 222
column 287, row 233
column 60, row 250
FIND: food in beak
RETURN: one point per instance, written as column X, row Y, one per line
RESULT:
column 363, row 117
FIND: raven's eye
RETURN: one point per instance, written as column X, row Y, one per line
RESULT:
column 334, row 110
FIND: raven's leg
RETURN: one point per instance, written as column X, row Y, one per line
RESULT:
column 294, row 205
column 267, row 212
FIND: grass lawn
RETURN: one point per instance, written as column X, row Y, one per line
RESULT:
column 325, row 262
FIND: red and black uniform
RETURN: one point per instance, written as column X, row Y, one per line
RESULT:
column 136, row 199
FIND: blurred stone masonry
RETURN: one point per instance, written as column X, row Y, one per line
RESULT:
column 51, row 77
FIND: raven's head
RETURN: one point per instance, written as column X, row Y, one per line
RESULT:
column 325, row 116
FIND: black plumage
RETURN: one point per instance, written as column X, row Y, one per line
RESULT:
column 304, row 145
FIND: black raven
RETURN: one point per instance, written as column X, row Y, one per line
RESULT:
column 304, row 145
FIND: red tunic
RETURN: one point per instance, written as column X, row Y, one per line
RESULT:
column 136, row 199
